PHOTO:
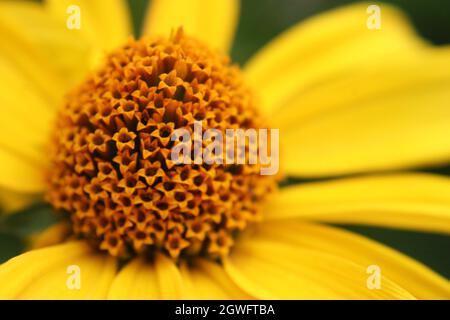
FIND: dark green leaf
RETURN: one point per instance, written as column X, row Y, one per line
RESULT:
column 10, row 246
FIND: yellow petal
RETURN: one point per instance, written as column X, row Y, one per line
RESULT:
column 140, row 279
column 324, row 48
column 271, row 269
column 11, row 201
column 66, row 54
column 408, row 201
column 208, row 280
column 213, row 22
column 51, row 236
column 104, row 23
column 19, row 174
column 33, row 77
column 386, row 116
column 416, row 278
column 25, row 115
column 45, row 273
column 350, row 99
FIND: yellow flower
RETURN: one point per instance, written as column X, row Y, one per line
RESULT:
column 347, row 100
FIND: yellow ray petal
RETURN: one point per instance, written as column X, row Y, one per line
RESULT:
column 11, row 201
column 386, row 116
column 18, row 174
column 208, row 280
column 323, row 48
column 64, row 53
column 350, row 99
column 51, row 236
column 44, row 273
column 31, row 40
column 96, row 271
column 279, row 270
column 408, row 201
column 213, row 22
column 25, row 115
column 137, row 280
column 416, row 278
column 146, row 280
column 104, row 23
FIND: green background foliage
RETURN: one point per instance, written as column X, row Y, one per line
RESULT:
column 260, row 21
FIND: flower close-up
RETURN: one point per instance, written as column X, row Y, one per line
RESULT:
column 92, row 113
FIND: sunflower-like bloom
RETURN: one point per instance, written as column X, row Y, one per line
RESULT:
column 347, row 100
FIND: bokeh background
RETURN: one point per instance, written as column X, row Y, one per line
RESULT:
column 260, row 21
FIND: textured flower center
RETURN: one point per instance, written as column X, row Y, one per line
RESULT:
column 112, row 171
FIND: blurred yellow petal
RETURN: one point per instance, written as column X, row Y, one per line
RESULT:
column 407, row 201
column 270, row 269
column 11, row 201
column 67, row 53
column 45, row 273
column 323, row 49
column 386, row 116
column 137, row 280
column 141, row 279
column 26, row 115
column 350, row 99
column 23, row 28
column 205, row 279
column 26, row 118
column 19, row 174
column 106, row 24
column 413, row 276
column 96, row 271
column 213, row 22
column 53, row 235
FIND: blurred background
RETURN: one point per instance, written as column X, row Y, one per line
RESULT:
column 260, row 21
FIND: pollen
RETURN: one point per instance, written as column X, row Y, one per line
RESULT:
column 111, row 170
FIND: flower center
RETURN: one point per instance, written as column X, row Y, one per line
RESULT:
column 112, row 170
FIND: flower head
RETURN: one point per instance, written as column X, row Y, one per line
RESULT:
column 110, row 152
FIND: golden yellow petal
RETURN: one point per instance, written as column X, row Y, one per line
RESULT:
column 389, row 115
column 46, row 273
column 419, row 280
column 409, row 201
column 350, row 99
column 25, row 115
column 19, row 174
column 51, row 236
column 144, row 280
column 24, row 122
column 31, row 40
column 106, row 24
column 272, row 269
column 323, row 49
column 137, row 280
column 213, row 22
column 204, row 279
column 11, row 201
column 42, row 50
